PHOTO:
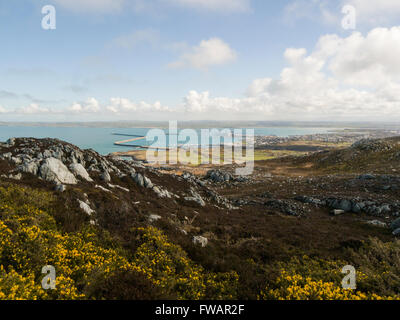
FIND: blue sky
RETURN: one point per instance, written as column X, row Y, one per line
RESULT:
column 195, row 59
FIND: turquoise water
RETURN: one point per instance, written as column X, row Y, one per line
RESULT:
column 102, row 139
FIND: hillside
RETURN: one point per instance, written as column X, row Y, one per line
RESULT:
column 117, row 229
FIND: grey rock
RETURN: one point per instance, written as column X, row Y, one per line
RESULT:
column 142, row 181
column 105, row 176
column 54, row 170
column 60, row 188
column 377, row 223
column 17, row 176
column 85, row 207
column 161, row 192
column 29, row 167
column 7, row 156
column 138, row 178
column 395, row 224
column 11, row 142
column 196, row 198
column 367, row 177
column 154, row 217
column 16, row 160
column 79, row 171
column 199, row 240
column 338, row 212
column 218, row 176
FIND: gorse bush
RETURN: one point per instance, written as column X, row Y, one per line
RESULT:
column 91, row 264
column 87, row 268
column 169, row 267
column 317, row 279
column 380, row 262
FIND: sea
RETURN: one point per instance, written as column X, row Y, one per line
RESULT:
column 102, row 139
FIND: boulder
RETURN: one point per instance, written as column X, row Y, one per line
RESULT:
column 105, row 176
column 154, row 217
column 79, row 171
column 54, row 170
column 161, row 192
column 218, row 176
column 6, row 156
column 196, row 198
column 338, row 212
column 29, row 167
column 60, row 188
column 17, row 176
column 340, row 204
column 142, row 181
column 367, row 177
column 11, row 142
column 138, row 178
column 199, row 240
column 396, row 232
column 395, row 224
column 377, row 223
column 85, row 207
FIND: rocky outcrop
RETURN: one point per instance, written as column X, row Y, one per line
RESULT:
column 64, row 164
column 369, row 207
column 218, row 176
column 85, row 207
column 154, row 218
column 54, row 170
column 31, row 167
column 195, row 197
column 284, row 206
column 142, row 181
column 199, row 240
column 372, row 145
column 79, row 171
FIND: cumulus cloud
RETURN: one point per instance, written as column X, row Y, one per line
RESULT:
column 145, row 36
column 369, row 13
column 96, row 6
column 115, row 6
column 91, row 106
column 32, row 109
column 375, row 11
column 208, row 53
column 351, row 78
column 214, row 5
column 123, row 106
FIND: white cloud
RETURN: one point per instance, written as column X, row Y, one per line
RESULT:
column 32, row 109
column 353, row 78
column 96, row 6
column 115, row 6
column 258, row 87
column 146, row 36
column 369, row 12
column 2, row 110
column 208, row 53
column 315, row 10
column 375, row 11
column 214, row 5
column 123, row 106
column 343, row 78
column 91, row 106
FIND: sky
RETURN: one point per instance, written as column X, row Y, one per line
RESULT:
column 110, row 60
